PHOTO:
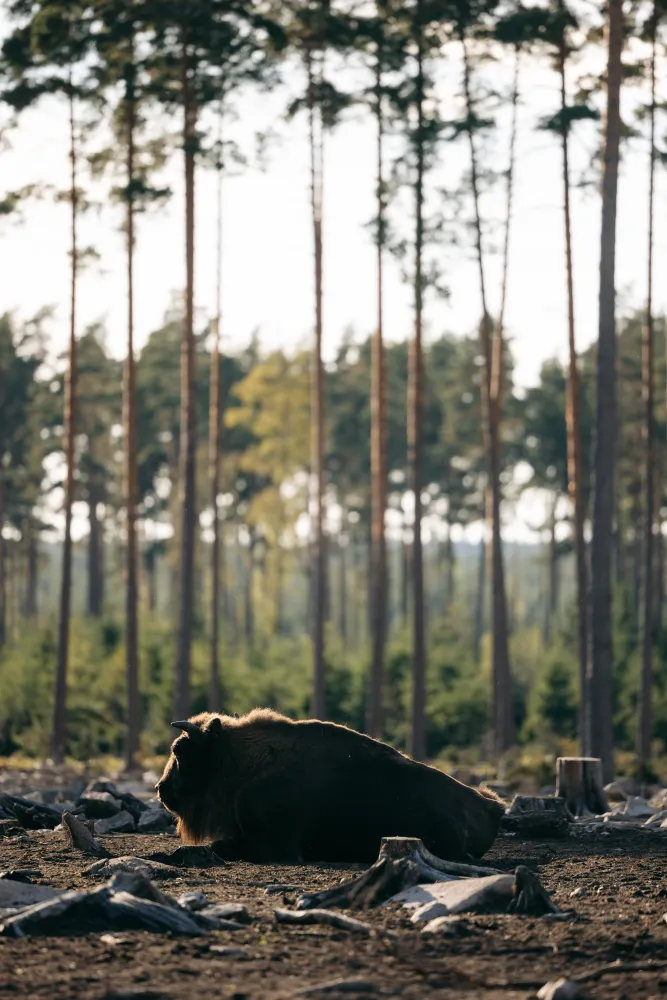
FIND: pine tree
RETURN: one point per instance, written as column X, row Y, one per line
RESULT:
column 45, row 54
column 605, row 437
column 503, row 719
column 415, row 412
column 645, row 721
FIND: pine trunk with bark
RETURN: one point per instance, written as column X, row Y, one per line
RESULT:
column 248, row 594
column 150, row 566
column 415, row 404
column 378, row 562
column 317, row 398
column 188, row 443
column 32, row 576
column 214, row 439
column 3, row 564
column 645, row 719
column 95, row 546
column 605, row 422
column 659, row 554
column 59, row 735
column 503, row 720
column 480, row 599
column 552, row 561
column 573, row 425
column 130, row 471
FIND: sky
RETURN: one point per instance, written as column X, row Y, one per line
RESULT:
column 267, row 275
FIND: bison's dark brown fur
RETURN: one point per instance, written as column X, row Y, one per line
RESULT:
column 267, row 789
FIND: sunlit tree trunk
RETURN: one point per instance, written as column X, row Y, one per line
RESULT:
column 503, row 724
column 317, row 398
column 129, row 401
column 59, row 736
column 3, row 562
column 378, row 562
column 214, row 437
column 645, row 690
column 659, row 552
column 605, row 423
column 188, row 445
column 573, row 422
column 415, row 419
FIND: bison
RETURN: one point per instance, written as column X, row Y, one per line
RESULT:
column 263, row 788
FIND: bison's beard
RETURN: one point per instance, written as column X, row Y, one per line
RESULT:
column 204, row 818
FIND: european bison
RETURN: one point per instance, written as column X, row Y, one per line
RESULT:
column 266, row 789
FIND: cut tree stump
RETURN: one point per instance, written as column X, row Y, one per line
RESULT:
column 402, row 863
column 538, row 816
column 579, row 782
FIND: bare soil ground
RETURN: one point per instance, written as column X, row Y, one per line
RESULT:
column 506, row 957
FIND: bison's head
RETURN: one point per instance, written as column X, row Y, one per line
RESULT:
column 187, row 786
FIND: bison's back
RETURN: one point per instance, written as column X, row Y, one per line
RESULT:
column 330, row 793
column 349, row 800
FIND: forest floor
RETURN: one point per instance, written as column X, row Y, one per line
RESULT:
column 619, row 918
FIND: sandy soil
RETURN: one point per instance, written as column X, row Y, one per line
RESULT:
column 620, row 918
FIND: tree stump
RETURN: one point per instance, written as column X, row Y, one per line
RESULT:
column 579, row 782
column 402, row 863
column 537, row 816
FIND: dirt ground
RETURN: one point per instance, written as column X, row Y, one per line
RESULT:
column 619, row 919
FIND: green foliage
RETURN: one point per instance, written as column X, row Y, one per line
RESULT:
column 554, row 700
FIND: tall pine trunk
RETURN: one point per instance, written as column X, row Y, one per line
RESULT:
column 214, row 436
column 605, row 423
column 573, row 423
column 415, row 447
column 187, row 472
column 342, row 583
column 659, row 551
column 317, row 398
column 480, row 598
column 32, row 556
column 131, row 498
column 59, row 735
column 552, row 573
column 645, row 691
column 3, row 564
column 378, row 562
column 95, row 546
column 503, row 722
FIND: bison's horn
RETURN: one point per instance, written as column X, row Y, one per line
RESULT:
column 188, row 727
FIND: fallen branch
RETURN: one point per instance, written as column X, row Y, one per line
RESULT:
column 337, row 920
column 80, row 837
